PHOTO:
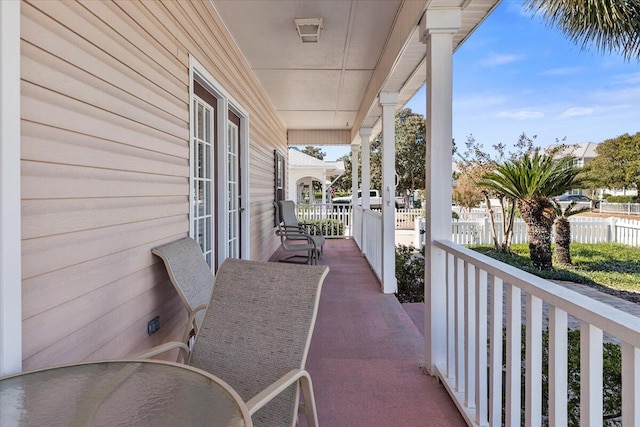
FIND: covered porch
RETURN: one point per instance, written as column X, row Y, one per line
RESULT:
column 367, row 355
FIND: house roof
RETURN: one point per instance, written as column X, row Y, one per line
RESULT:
column 300, row 160
column 586, row 150
column 365, row 47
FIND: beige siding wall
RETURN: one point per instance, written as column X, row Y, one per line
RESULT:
column 105, row 167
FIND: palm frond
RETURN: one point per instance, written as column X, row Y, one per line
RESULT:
column 608, row 25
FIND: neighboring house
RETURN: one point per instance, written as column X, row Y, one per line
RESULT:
column 584, row 153
column 132, row 124
column 304, row 170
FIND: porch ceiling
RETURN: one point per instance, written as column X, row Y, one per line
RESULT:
column 365, row 47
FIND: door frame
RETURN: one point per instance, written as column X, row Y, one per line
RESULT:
column 226, row 103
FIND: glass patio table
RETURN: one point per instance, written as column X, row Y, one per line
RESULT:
column 120, row 393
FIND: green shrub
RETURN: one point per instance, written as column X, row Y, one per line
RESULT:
column 454, row 215
column 328, row 227
column 621, row 199
column 409, row 274
column 611, row 380
column 611, row 377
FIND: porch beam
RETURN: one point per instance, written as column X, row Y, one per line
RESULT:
column 388, row 102
column 10, row 256
column 439, row 27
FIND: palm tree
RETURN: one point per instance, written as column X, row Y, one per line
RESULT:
column 531, row 180
column 610, row 25
column 563, row 230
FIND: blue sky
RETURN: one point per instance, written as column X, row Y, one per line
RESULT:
column 515, row 74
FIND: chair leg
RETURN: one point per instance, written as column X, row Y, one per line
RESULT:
column 309, row 401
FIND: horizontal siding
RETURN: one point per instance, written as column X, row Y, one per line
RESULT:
column 105, row 167
column 319, row 137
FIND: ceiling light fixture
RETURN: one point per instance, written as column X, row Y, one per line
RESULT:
column 309, row 29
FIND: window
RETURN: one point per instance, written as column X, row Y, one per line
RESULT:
column 278, row 181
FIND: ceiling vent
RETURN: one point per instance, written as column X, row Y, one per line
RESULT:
column 309, row 29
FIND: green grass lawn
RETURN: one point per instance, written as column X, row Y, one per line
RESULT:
column 613, row 266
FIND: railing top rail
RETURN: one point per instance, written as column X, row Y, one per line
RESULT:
column 608, row 318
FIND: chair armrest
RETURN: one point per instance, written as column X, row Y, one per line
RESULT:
column 274, row 389
column 313, row 225
column 163, row 348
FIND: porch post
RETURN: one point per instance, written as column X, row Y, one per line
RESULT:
column 440, row 25
column 10, row 257
column 354, row 187
column 365, row 143
column 388, row 101
column 365, row 134
column 324, row 187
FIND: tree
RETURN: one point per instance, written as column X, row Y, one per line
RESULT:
column 478, row 162
column 609, row 25
column 563, row 230
column 314, row 152
column 617, row 164
column 410, row 155
column 343, row 183
column 531, row 180
column 466, row 193
column 411, row 150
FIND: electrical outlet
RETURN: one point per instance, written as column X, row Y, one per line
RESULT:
column 153, row 325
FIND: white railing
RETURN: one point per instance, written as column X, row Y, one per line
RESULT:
column 583, row 230
column 406, row 218
column 484, row 306
column 356, row 226
column 625, row 208
column 320, row 212
column 372, row 240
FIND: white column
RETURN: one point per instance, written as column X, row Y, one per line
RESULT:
column 365, row 143
column 354, row 186
column 10, row 258
column 365, row 135
column 324, row 188
column 388, row 101
column 440, row 25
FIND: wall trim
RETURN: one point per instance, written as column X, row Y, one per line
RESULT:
column 10, row 243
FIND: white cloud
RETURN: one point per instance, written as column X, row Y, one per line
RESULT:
column 632, row 78
column 520, row 115
column 479, row 101
column 576, row 111
column 561, row 71
column 496, row 59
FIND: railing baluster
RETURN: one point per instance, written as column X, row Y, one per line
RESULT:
column 481, row 347
column 469, row 332
column 557, row 367
column 451, row 284
column 590, row 375
column 630, row 385
column 459, row 297
column 495, row 326
column 514, row 357
column 533, row 372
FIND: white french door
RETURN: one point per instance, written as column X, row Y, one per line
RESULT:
column 233, row 191
column 202, row 220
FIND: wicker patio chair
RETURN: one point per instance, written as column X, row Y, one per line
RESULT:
column 190, row 275
column 290, row 220
column 255, row 336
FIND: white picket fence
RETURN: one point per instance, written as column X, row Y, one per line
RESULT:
column 583, row 230
column 625, row 208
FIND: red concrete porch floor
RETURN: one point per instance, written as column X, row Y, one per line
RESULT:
column 366, row 353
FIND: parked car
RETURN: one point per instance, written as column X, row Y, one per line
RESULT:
column 375, row 200
column 578, row 198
